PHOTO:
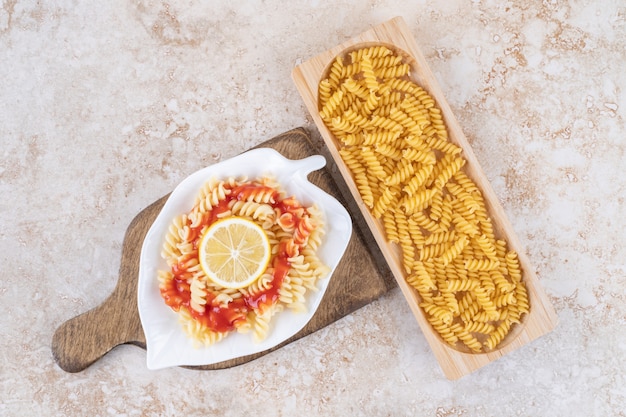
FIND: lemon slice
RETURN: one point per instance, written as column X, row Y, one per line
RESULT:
column 234, row 252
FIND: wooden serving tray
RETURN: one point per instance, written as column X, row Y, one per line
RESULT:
column 542, row 317
column 361, row 277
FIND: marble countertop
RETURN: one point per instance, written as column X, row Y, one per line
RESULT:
column 106, row 106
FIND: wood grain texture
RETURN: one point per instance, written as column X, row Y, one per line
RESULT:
column 396, row 35
column 361, row 277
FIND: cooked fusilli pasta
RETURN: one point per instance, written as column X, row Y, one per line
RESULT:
column 209, row 312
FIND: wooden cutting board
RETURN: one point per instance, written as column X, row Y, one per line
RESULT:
column 361, row 277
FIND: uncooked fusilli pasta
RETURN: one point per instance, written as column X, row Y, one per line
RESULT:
column 393, row 139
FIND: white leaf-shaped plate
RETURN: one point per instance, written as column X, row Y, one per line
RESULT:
column 167, row 345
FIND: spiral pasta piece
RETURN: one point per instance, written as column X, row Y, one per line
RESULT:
column 353, row 87
column 385, row 200
column 372, row 52
column 331, row 105
column 388, row 151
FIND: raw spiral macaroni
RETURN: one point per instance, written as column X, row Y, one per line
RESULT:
column 394, row 141
column 208, row 312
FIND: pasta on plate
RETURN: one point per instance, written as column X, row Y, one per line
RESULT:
column 393, row 139
column 209, row 312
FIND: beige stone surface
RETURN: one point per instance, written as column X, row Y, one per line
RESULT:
column 106, row 106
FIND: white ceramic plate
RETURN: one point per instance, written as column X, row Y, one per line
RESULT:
column 167, row 344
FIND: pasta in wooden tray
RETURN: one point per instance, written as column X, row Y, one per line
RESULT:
column 208, row 311
column 395, row 143
column 421, row 191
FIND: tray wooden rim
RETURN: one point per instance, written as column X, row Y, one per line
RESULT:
column 542, row 317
